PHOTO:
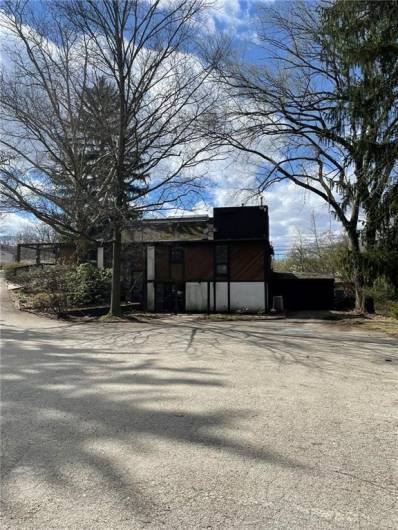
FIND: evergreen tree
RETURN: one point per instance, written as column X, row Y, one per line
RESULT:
column 360, row 39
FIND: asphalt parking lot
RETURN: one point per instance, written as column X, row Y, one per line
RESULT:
column 179, row 423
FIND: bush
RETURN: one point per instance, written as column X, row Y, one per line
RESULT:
column 386, row 302
column 393, row 310
column 11, row 270
column 49, row 279
column 41, row 301
column 55, row 287
column 87, row 285
column 52, row 303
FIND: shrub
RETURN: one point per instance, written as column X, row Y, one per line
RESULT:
column 386, row 302
column 54, row 287
column 49, row 279
column 41, row 301
column 393, row 310
column 49, row 302
column 11, row 270
column 87, row 285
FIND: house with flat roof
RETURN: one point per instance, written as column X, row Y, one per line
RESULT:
column 227, row 270
column 204, row 264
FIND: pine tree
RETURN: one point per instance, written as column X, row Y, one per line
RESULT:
column 360, row 39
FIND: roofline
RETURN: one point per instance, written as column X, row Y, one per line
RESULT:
column 193, row 241
column 163, row 220
column 261, row 206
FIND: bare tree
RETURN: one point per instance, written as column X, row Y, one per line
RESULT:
column 37, row 233
column 286, row 109
column 321, row 252
column 143, row 51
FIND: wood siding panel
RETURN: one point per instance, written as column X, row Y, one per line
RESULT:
column 199, row 261
column 247, row 262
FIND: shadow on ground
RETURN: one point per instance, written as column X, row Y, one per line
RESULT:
column 61, row 398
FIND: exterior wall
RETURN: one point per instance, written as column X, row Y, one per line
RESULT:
column 248, row 222
column 247, row 261
column 247, row 296
column 244, row 296
column 133, row 265
column 170, row 229
column 162, row 262
column 182, row 268
column 207, row 276
column 196, row 296
column 192, row 269
column 150, row 274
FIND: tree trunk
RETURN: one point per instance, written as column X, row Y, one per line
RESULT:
column 115, row 308
column 81, row 249
column 359, row 285
column 359, row 281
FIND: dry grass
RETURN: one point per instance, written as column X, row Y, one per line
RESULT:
column 379, row 323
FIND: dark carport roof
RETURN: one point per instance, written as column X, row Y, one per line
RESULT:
column 301, row 276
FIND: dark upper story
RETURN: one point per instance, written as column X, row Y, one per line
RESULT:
column 231, row 246
column 212, row 260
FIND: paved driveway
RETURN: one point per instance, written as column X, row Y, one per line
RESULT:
column 187, row 424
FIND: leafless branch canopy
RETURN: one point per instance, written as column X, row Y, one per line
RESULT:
column 281, row 109
column 74, row 170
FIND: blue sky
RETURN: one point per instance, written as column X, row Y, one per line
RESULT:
column 291, row 208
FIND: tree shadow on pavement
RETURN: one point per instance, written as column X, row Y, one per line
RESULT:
column 322, row 351
column 69, row 406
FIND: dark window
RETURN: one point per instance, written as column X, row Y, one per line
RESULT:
column 177, row 255
column 222, row 269
column 222, row 262
column 221, row 254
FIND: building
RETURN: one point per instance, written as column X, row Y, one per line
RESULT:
column 227, row 270
column 198, row 264
column 201, row 264
column 211, row 264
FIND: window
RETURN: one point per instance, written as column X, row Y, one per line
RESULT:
column 177, row 255
column 222, row 262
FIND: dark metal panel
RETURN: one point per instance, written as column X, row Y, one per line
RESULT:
column 245, row 222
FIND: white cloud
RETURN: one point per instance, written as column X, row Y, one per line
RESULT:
column 292, row 211
column 234, row 17
column 13, row 223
